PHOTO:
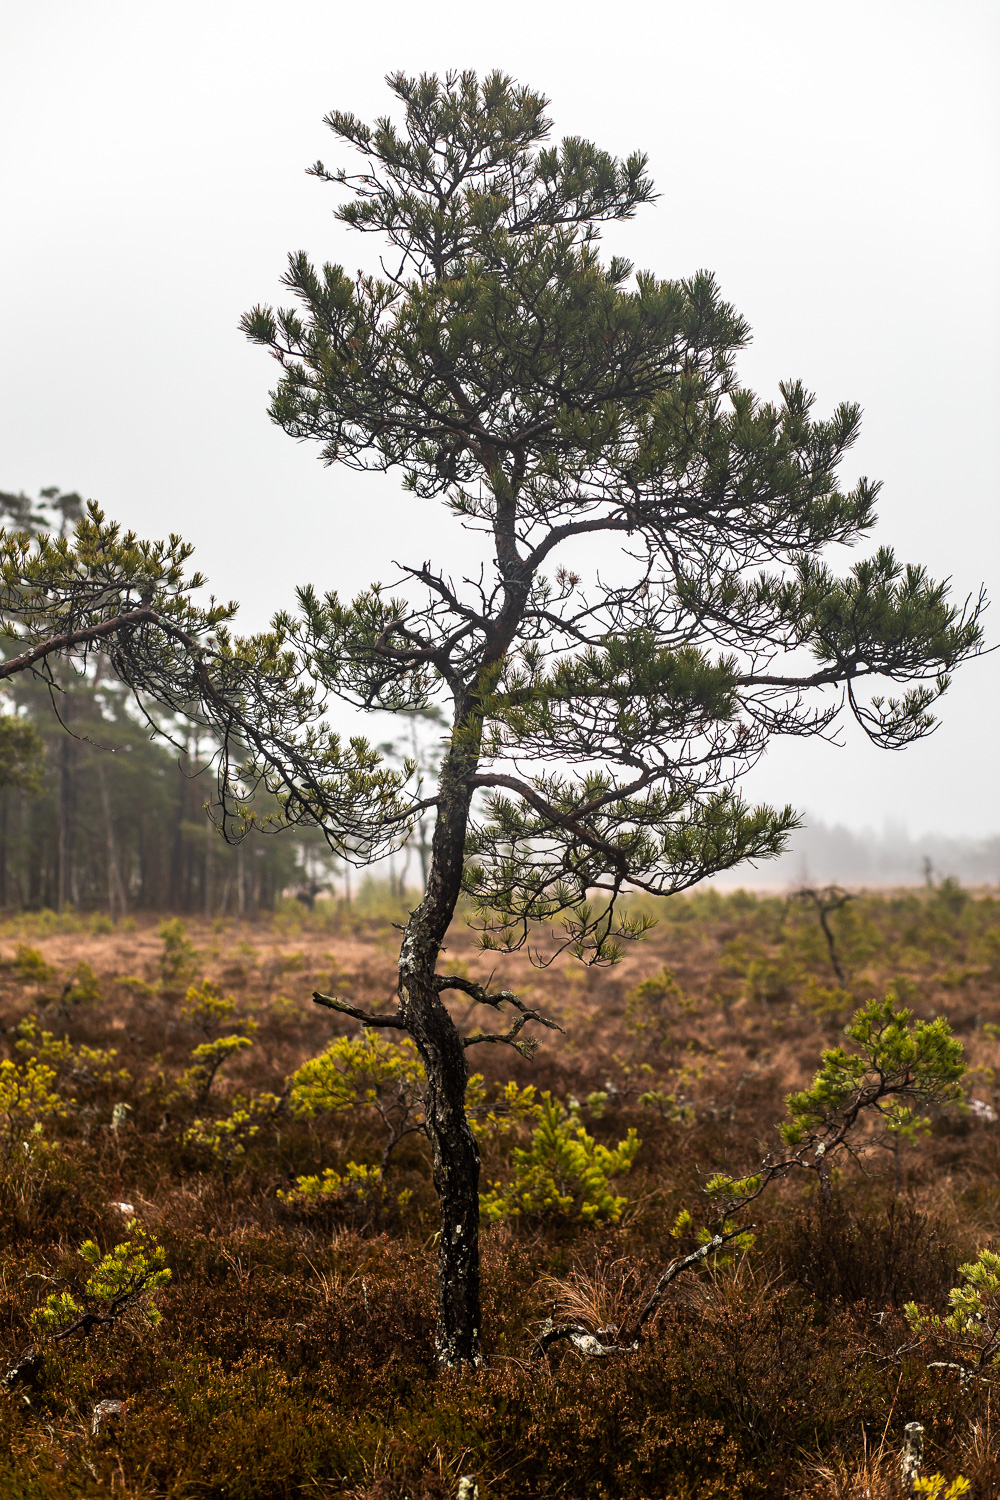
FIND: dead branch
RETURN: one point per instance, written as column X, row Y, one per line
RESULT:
column 367, row 1018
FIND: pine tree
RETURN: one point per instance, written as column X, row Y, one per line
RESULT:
column 599, row 723
column 598, row 729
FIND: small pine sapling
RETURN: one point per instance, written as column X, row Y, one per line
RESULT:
column 227, row 1139
column 355, row 1075
column 563, row 1173
column 77, row 1066
column 82, row 987
column 179, row 958
column 208, row 1009
column 29, row 1103
column 122, row 1285
column 970, row 1332
column 858, row 1101
column 29, row 965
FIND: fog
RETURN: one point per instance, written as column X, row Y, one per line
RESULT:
column 835, row 164
column 822, row 853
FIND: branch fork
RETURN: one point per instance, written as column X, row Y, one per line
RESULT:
column 527, row 1046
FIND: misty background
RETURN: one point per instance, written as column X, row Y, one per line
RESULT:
column 835, row 164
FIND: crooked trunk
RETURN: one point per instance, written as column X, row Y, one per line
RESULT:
column 456, row 1175
column 453, row 1146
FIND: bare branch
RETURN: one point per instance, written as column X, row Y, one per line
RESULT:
column 83, row 636
column 333, row 1002
column 527, row 1046
column 675, row 1268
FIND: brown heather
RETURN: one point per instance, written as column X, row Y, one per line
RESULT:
column 295, row 1356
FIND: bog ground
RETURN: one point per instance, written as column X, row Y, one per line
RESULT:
column 294, row 1355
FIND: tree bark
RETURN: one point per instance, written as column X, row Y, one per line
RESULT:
column 67, row 815
column 456, row 1174
column 442, row 1050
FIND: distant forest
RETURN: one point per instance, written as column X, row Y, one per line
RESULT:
column 96, row 813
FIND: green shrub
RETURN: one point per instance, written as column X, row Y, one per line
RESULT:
column 82, row 987
column 971, row 1330
column 179, row 958
column 563, row 1173
column 30, row 967
column 29, row 1101
column 208, row 1008
column 227, row 1139
column 76, row 1065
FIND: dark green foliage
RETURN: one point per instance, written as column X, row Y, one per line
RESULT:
column 109, row 817
column 550, row 396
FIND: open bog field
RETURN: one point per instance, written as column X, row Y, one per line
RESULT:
column 154, row 1076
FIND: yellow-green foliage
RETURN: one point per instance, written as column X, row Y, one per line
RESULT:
column 564, row 1172
column 354, row 1071
column 683, row 1228
column 493, row 1118
column 972, row 1327
column 30, row 967
column 672, row 1102
column 366, row 1184
column 29, row 1100
column 82, row 987
column 79, row 1064
column 919, row 1059
column 227, row 1139
column 207, row 1007
column 651, row 1005
column 721, row 1185
column 124, row 1280
column 206, row 1060
column 135, row 986
column 936, row 1487
column 359, row 1073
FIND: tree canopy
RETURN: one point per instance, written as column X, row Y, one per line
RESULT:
column 548, row 396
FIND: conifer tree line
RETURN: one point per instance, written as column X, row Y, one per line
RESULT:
column 105, row 817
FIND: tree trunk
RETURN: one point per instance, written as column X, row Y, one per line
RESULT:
column 4, row 821
column 456, row 1174
column 117, row 903
column 67, row 812
column 442, row 1050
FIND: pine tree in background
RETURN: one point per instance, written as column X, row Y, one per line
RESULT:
column 96, row 812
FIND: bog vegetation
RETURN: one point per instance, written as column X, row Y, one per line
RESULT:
column 218, row 1210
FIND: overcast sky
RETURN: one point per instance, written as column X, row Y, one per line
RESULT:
column 836, row 164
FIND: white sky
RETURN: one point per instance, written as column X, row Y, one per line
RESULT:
column 836, row 165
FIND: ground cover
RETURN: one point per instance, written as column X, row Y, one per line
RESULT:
column 294, row 1348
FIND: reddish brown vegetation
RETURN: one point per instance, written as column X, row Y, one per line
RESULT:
column 296, row 1350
